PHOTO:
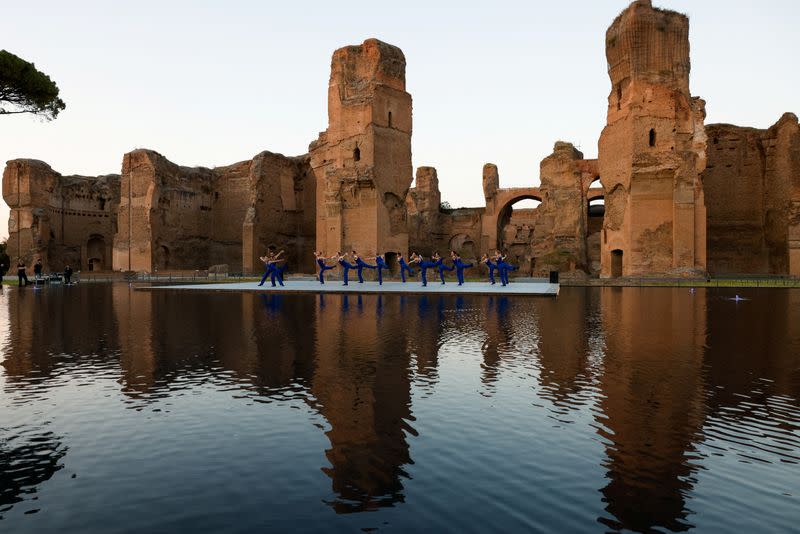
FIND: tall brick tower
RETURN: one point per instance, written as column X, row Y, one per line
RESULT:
column 652, row 149
column 362, row 162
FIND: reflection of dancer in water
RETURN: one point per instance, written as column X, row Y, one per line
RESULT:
column 322, row 265
column 405, row 266
column 346, row 266
column 441, row 266
column 380, row 265
column 486, row 260
column 360, row 264
column 460, row 266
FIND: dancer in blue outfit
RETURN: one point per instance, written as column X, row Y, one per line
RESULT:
column 405, row 267
column 321, row 259
column 342, row 260
column 492, row 267
column 270, row 261
column 460, row 266
column 360, row 264
column 441, row 266
column 423, row 269
column 503, row 266
column 380, row 265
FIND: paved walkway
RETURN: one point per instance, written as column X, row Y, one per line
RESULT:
column 410, row 288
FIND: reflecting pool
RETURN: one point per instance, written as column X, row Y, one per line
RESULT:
column 638, row 409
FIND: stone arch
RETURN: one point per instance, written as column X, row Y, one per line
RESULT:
column 464, row 245
column 96, row 252
column 504, row 213
column 162, row 258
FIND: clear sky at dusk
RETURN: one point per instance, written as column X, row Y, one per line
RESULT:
column 211, row 83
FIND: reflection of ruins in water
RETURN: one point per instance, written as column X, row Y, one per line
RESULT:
column 29, row 458
column 346, row 356
column 362, row 386
column 653, row 401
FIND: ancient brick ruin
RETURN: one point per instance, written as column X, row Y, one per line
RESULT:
column 667, row 196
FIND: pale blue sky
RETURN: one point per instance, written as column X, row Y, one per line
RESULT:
column 212, row 83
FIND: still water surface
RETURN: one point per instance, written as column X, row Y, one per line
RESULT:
column 605, row 409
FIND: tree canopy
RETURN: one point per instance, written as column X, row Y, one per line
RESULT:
column 23, row 89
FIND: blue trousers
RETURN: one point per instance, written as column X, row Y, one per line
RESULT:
column 403, row 268
column 322, row 269
column 460, row 272
column 360, row 268
column 277, row 273
column 346, row 269
column 423, row 268
column 267, row 272
column 442, row 269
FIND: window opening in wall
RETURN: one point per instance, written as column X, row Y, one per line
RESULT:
column 390, row 119
column 356, row 154
column 652, row 137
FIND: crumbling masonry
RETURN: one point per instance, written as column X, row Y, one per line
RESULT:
column 667, row 196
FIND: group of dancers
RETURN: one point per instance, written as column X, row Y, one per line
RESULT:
column 436, row 262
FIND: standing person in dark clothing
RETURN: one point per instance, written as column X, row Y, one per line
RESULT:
column 67, row 274
column 21, row 273
column 37, row 269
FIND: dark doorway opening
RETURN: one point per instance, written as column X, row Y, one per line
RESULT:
column 616, row 263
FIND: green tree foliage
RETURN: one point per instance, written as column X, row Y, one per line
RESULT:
column 23, row 89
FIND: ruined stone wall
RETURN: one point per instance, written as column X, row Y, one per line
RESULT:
column 280, row 211
column 362, row 162
column 62, row 220
column 433, row 230
column 192, row 218
column 750, row 184
column 559, row 238
column 652, row 149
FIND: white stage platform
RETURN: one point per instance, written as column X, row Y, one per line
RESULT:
column 388, row 288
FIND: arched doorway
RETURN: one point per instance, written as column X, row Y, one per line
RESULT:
column 516, row 219
column 162, row 258
column 391, row 261
column 616, row 263
column 96, row 252
column 464, row 246
column 515, row 226
column 595, row 214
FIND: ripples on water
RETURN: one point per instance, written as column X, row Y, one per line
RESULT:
column 605, row 409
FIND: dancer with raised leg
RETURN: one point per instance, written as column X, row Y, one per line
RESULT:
column 360, row 264
column 503, row 266
column 424, row 265
column 441, row 266
column 460, row 266
column 380, row 265
column 346, row 266
column 486, row 260
column 321, row 259
column 405, row 267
